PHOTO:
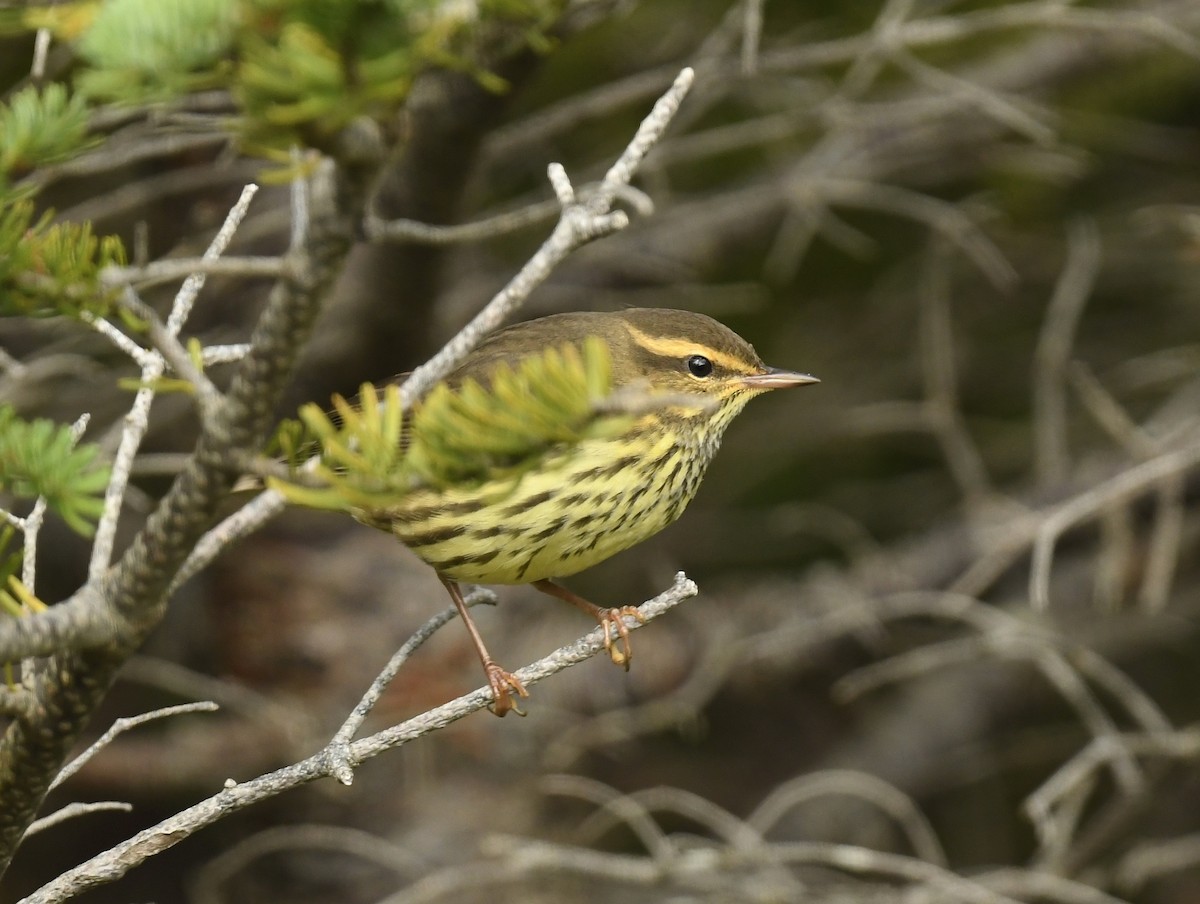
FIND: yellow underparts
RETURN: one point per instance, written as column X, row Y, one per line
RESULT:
column 575, row 509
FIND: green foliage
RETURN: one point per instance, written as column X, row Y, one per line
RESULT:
column 300, row 70
column 362, row 457
column 40, row 458
column 16, row 600
column 301, row 80
column 41, row 126
column 141, row 50
column 10, row 565
column 51, row 269
column 371, row 457
column 308, row 67
column 475, row 432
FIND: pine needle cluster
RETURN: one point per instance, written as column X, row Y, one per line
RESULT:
column 372, row 452
column 41, row 458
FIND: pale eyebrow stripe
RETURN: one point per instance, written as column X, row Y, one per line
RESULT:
column 681, row 348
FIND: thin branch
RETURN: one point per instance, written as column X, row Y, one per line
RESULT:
column 378, row 229
column 245, row 521
column 1108, row 413
column 752, row 24
column 205, row 888
column 41, row 50
column 162, row 271
column 1034, row 884
column 1124, row 487
column 1079, row 772
column 144, row 358
column 1165, row 544
column 227, row 695
column 515, row 858
column 847, row 782
column 1150, row 860
column 71, row 811
column 941, row 380
column 860, row 860
column 172, row 351
column 948, row 219
column 122, row 725
column 1029, row 120
column 224, row 354
column 1053, row 353
column 137, row 421
column 117, row 153
column 339, row 746
column 630, row 811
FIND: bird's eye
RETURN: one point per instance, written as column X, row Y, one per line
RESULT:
column 699, row 366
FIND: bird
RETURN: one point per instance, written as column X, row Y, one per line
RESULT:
column 584, row 503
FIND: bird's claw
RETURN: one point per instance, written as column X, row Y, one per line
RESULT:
column 503, row 684
column 612, row 621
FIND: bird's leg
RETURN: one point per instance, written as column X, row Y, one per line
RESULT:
column 501, row 682
column 611, row 620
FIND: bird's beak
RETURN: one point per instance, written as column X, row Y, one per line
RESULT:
column 774, row 378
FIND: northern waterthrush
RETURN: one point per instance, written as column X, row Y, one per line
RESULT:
column 603, row 495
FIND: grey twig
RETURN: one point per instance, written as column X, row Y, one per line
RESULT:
column 339, row 747
column 71, row 811
column 378, row 229
column 122, row 725
column 1053, row 351
column 168, row 345
column 137, row 420
column 172, row 269
column 1122, row 488
column 205, row 888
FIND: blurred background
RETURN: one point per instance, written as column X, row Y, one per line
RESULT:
column 977, row 222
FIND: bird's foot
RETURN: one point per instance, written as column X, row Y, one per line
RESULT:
column 612, row 621
column 503, row 685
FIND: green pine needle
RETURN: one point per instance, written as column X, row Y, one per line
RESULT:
column 43, row 126
column 40, row 458
column 48, row 270
column 155, row 49
column 466, row 434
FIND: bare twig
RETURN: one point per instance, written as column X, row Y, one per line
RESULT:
column 627, row 809
column 137, row 420
column 245, row 521
column 378, row 229
column 162, row 271
column 41, row 50
column 1051, row 458
column 752, row 23
column 884, row 795
column 206, row 887
column 1149, row 860
column 1077, row 775
column 122, row 725
column 71, row 811
column 941, row 381
column 339, row 746
column 1122, row 488
column 172, row 351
